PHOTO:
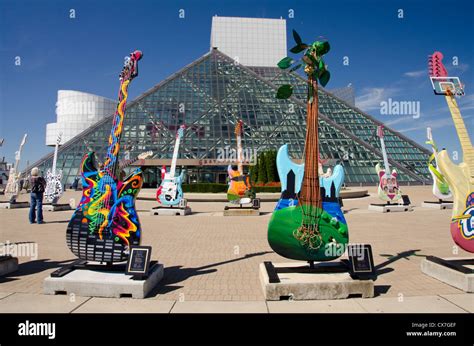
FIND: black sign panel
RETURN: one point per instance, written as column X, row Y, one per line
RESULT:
column 361, row 261
column 139, row 261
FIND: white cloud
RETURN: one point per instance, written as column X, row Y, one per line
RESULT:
column 371, row 97
column 434, row 124
column 416, row 74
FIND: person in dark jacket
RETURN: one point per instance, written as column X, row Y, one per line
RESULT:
column 38, row 185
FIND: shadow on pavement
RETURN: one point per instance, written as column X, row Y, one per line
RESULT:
column 176, row 274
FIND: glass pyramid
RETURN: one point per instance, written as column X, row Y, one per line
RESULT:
column 212, row 93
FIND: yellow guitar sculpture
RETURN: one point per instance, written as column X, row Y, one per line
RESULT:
column 459, row 177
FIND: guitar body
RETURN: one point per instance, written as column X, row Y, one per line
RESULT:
column 287, row 216
column 388, row 189
column 441, row 189
column 12, row 189
column 170, row 191
column 461, row 180
column 239, row 186
column 105, row 223
column 54, row 188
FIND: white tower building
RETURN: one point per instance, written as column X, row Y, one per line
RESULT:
column 250, row 41
column 75, row 112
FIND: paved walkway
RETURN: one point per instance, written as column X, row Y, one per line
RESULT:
column 211, row 261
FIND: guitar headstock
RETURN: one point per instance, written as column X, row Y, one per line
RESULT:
column 23, row 141
column 239, row 128
column 435, row 65
column 180, row 132
column 380, row 131
column 428, row 134
column 145, row 155
column 58, row 139
column 130, row 66
column 442, row 83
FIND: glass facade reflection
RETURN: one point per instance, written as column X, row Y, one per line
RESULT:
column 211, row 94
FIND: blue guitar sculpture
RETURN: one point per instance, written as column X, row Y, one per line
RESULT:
column 170, row 192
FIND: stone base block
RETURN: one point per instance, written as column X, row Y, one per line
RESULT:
column 166, row 211
column 456, row 272
column 304, row 285
column 437, row 205
column 8, row 205
column 241, row 212
column 8, row 264
column 390, row 208
column 56, row 207
column 95, row 283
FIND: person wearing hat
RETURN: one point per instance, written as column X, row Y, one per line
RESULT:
column 38, row 185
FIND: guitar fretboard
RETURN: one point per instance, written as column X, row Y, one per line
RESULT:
column 466, row 145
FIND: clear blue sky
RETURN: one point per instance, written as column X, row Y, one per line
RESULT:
column 388, row 55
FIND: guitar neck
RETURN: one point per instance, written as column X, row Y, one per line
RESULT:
column 239, row 155
column 175, row 157
column 110, row 163
column 127, row 163
column 310, row 189
column 466, row 145
column 53, row 170
column 385, row 158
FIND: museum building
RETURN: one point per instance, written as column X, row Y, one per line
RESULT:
column 235, row 80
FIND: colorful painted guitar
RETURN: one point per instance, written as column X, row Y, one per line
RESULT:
column 460, row 177
column 105, row 223
column 388, row 189
column 170, row 191
column 441, row 188
column 240, row 189
column 307, row 223
column 54, row 188
column 12, row 189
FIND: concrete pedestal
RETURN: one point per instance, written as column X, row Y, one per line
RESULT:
column 437, row 205
column 8, row 205
column 241, row 212
column 167, row 211
column 390, row 208
column 303, row 285
column 8, row 264
column 456, row 272
column 94, row 283
column 56, row 207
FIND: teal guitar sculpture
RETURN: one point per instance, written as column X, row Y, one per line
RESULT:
column 307, row 223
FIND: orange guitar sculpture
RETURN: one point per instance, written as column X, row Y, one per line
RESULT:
column 460, row 177
column 240, row 190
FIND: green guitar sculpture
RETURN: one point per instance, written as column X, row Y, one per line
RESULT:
column 307, row 223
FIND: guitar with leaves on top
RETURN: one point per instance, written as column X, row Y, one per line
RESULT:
column 308, row 223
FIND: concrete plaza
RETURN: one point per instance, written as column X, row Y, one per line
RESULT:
column 212, row 262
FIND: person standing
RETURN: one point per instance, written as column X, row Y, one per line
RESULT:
column 38, row 185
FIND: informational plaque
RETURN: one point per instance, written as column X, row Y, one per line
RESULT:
column 138, row 262
column 361, row 261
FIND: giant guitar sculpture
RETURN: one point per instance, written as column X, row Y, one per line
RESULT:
column 307, row 223
column 240, row 189
column 54, row 188
column 170, row 191
column 105, row 223
column 460, row 177
column 441, row 188
column 388, row 188
column 12, row 189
